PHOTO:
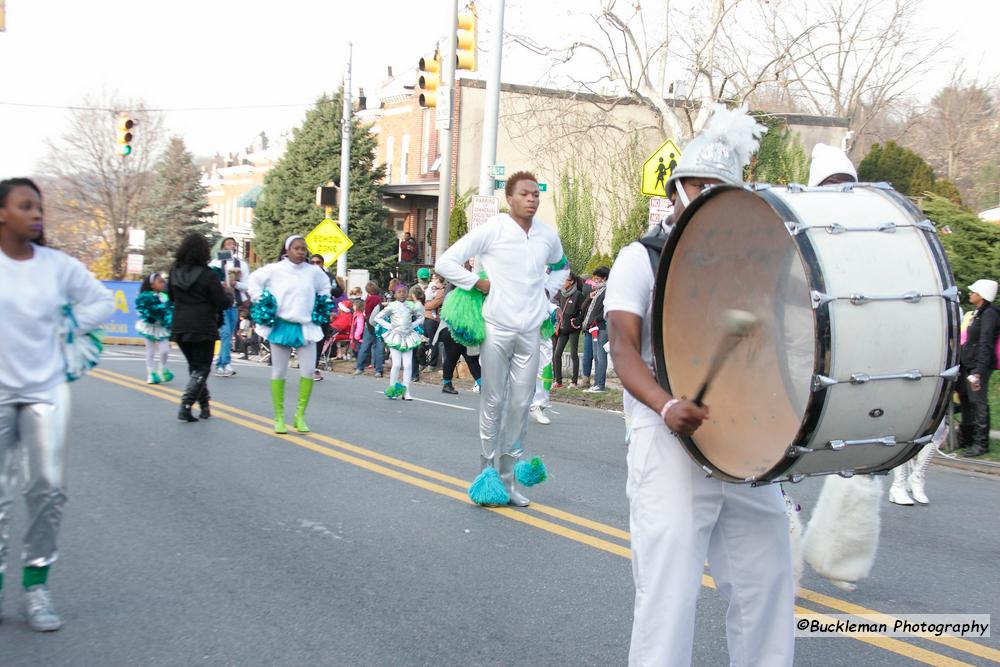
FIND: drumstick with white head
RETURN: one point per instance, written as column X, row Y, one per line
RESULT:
column 736, row 325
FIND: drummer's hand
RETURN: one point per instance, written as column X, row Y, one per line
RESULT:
column 483, row 285
column 974, row 382
column 685, row 417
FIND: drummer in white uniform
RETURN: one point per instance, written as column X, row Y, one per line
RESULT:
column 678, row 516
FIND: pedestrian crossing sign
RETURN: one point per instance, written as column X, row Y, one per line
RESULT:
column 657, row 168
column 328, row 240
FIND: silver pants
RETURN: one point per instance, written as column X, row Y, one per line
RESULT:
column 33, row 437
column 510, row 365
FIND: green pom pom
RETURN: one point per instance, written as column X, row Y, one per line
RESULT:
column 463, row 311
column 487, row 489
column 548, row 329
column 395, row 390
column 529, row 473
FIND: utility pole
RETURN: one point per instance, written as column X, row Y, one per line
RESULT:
column 443, row 123
column 345, row 160
column 488, row 154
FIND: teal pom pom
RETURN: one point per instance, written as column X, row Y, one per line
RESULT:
column 487, row 489
column 395, row 390
column 322, row 309
column 154, row 310
column 285, row 333
column 81, row 349
column 264, row 310
column 529, row 473
column 463, row 311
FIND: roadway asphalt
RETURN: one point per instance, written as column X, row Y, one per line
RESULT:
column 221, row 543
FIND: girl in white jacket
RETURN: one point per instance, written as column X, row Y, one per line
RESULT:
column 42, row 289
column 290, row 297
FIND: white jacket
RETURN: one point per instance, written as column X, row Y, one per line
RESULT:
column 515, row 264
column 295, row 287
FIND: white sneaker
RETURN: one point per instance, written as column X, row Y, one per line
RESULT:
column 220, row 371
column 595, row 389
column 539, row 414
column 475, row 388
column 229, row 370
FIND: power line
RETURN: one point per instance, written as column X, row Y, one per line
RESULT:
column 160, row 109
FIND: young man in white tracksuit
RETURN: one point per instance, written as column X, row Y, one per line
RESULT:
column 677, row 515
column 515, row 250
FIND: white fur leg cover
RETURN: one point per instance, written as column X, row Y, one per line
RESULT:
column 794, row 537
column 842, row 536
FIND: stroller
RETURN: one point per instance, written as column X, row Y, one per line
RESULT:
column 340, row 332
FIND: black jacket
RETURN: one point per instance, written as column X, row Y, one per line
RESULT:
column 597, row 313
column 198, row 299
column 979, row 352
column 570, row 312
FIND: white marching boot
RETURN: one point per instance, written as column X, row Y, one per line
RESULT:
column 919, row 467
column 897, row 492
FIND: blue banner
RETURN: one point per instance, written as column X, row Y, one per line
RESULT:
column 123, row 320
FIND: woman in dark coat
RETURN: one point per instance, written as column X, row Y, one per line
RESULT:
column 568, row 328
column 198, row 300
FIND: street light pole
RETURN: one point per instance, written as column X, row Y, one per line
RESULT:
column 345, row 160
column 444, row 138
column 488, row 154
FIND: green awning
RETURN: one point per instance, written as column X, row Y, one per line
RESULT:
column 249, row 198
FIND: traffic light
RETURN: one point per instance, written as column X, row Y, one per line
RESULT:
column 125, row 125
column 430, row 78
column 465, row 56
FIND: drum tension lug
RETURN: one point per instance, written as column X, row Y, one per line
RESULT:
column 846, row 474
column 951, row 373
column 951, row 293
column 708, row 471
column 795, row 479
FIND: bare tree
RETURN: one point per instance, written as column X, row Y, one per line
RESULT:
column 95, row 195
column 861, row 58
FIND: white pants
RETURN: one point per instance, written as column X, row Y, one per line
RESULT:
column 541, row 398
column 404, row 361
column 281, row 356
column 157, row 352
column 509, row 360
column 678, row 516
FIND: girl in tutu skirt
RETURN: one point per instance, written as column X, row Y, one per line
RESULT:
column 401, row 320
column 155, row 315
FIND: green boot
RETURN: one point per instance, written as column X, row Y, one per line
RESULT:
column 278, row 398
column 305, row 390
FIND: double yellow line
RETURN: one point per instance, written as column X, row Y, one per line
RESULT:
column 455, row 488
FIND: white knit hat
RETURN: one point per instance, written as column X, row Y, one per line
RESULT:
column 721, row 149
column 985, row 288
column 829, row 160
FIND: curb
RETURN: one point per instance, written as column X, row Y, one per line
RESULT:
column 983, row 467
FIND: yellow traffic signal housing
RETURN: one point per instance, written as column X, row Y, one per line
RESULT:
column 125, row 125
column 429, row 80
column 465, row 56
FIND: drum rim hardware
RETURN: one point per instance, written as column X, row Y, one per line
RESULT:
column 818, row 298
column 795, row 228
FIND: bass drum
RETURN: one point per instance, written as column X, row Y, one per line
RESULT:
column 852, row 363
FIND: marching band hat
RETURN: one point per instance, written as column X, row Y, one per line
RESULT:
column 829, row 160
column 721, row 149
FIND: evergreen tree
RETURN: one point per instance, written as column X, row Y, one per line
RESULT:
column 576, row 217
column 175, row 206
column 905, row 170
column 972, row 246
column 458, row 221
column 288, row 204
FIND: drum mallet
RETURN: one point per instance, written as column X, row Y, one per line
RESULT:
column 736, row 325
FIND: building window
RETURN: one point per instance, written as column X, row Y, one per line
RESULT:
column 425, row 141
column 404, row 157
column 390, row 154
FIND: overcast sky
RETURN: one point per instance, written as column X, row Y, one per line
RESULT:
column 180, row 54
